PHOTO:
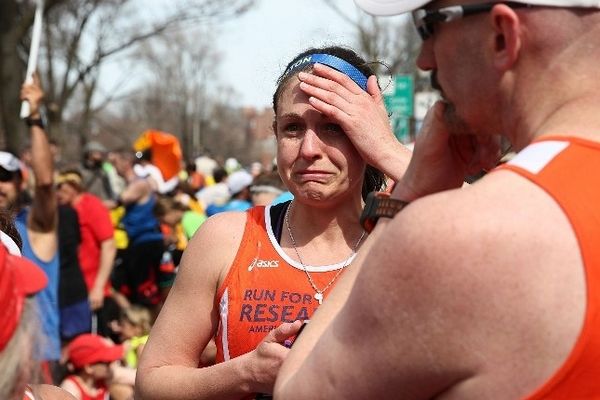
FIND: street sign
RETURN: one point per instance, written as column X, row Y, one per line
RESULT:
column 399, row 102
column 423, row 102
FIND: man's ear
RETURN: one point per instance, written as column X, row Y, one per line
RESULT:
column 507, row 41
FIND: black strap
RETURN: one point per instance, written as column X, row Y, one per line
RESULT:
column 277, row 213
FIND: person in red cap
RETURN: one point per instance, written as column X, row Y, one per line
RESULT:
column 19, row 279
column 90, row 357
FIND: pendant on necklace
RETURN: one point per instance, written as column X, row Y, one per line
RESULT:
column 319, row 297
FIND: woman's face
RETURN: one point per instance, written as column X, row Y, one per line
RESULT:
column 315, row 158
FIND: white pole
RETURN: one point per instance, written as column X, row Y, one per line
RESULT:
column 33, row 51
column 94, row 329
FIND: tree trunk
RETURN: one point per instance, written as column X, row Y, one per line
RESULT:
column 13, row 131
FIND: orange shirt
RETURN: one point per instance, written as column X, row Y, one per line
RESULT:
column 264, row 288
column 565, row 168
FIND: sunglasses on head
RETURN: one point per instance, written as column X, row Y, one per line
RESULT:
column 425, row 20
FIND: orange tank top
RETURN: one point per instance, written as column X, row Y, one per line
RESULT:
column 264, row 288
column 565, row 168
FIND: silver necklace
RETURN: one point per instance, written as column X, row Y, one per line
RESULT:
column 318, row 292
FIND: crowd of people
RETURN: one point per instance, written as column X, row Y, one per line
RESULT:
column 108, row 237
column 416, row 285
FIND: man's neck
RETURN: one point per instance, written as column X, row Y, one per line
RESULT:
column 577, row 118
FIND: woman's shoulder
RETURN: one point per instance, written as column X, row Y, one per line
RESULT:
column 217, row 240
column 227, row 223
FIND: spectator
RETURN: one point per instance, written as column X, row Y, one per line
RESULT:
column 218, row 193
column 37, row 223
column 172, row 213
column 133, row 327
column 266, row 187
column 75, row 310
column 95, row 177
column 19, row 280
column 97, row 248
column 142, row 262
column 238, row 184
column 90, row 358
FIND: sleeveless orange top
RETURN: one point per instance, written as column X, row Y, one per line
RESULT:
column 565, row 168
column 264, row 288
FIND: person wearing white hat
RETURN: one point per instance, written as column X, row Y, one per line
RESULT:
column 491, row 291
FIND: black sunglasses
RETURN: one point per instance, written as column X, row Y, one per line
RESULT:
column 6, row 176
column 425, row 20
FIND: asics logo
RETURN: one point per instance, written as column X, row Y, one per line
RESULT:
column 263, row 264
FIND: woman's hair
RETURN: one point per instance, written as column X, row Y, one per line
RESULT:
column 374, row 179
column 7, row 225
column 138, row 316
column 164, row 204
column 16, row 359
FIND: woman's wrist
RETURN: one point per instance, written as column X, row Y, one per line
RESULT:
column 243, row 370
column 394, row 162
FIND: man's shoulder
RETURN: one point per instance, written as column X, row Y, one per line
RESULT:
column 500, row 209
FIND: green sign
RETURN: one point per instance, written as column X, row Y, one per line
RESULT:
column 401, row 128
column 400, row 104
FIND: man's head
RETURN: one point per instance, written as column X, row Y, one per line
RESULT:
column 93, row 154
column 69, row 186
column 503, row 67
column 123, row 161
column 395, row 7
column 11, row 179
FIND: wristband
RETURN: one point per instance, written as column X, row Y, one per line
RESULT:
column 39, row 122
column 379, row 204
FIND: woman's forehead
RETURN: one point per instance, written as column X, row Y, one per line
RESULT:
column 292, row 97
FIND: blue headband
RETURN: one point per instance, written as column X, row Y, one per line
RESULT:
column 334, row 62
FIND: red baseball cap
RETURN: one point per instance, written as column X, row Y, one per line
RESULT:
column 19, row 278
column 90, row 349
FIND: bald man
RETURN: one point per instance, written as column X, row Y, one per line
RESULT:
column 490, row 291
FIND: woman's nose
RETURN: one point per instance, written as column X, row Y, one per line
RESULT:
column 311, row 145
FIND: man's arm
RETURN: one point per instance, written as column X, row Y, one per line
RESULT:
column 43, row 216
column 400, row 316
column 136, row 191
column 108, row 250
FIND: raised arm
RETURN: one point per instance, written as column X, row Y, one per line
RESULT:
column 43, row 216
column 362, row 116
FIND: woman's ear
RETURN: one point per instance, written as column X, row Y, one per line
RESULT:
column 507, row 41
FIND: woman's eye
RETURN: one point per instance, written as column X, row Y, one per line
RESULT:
column 333, row 128
column 292, row 128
